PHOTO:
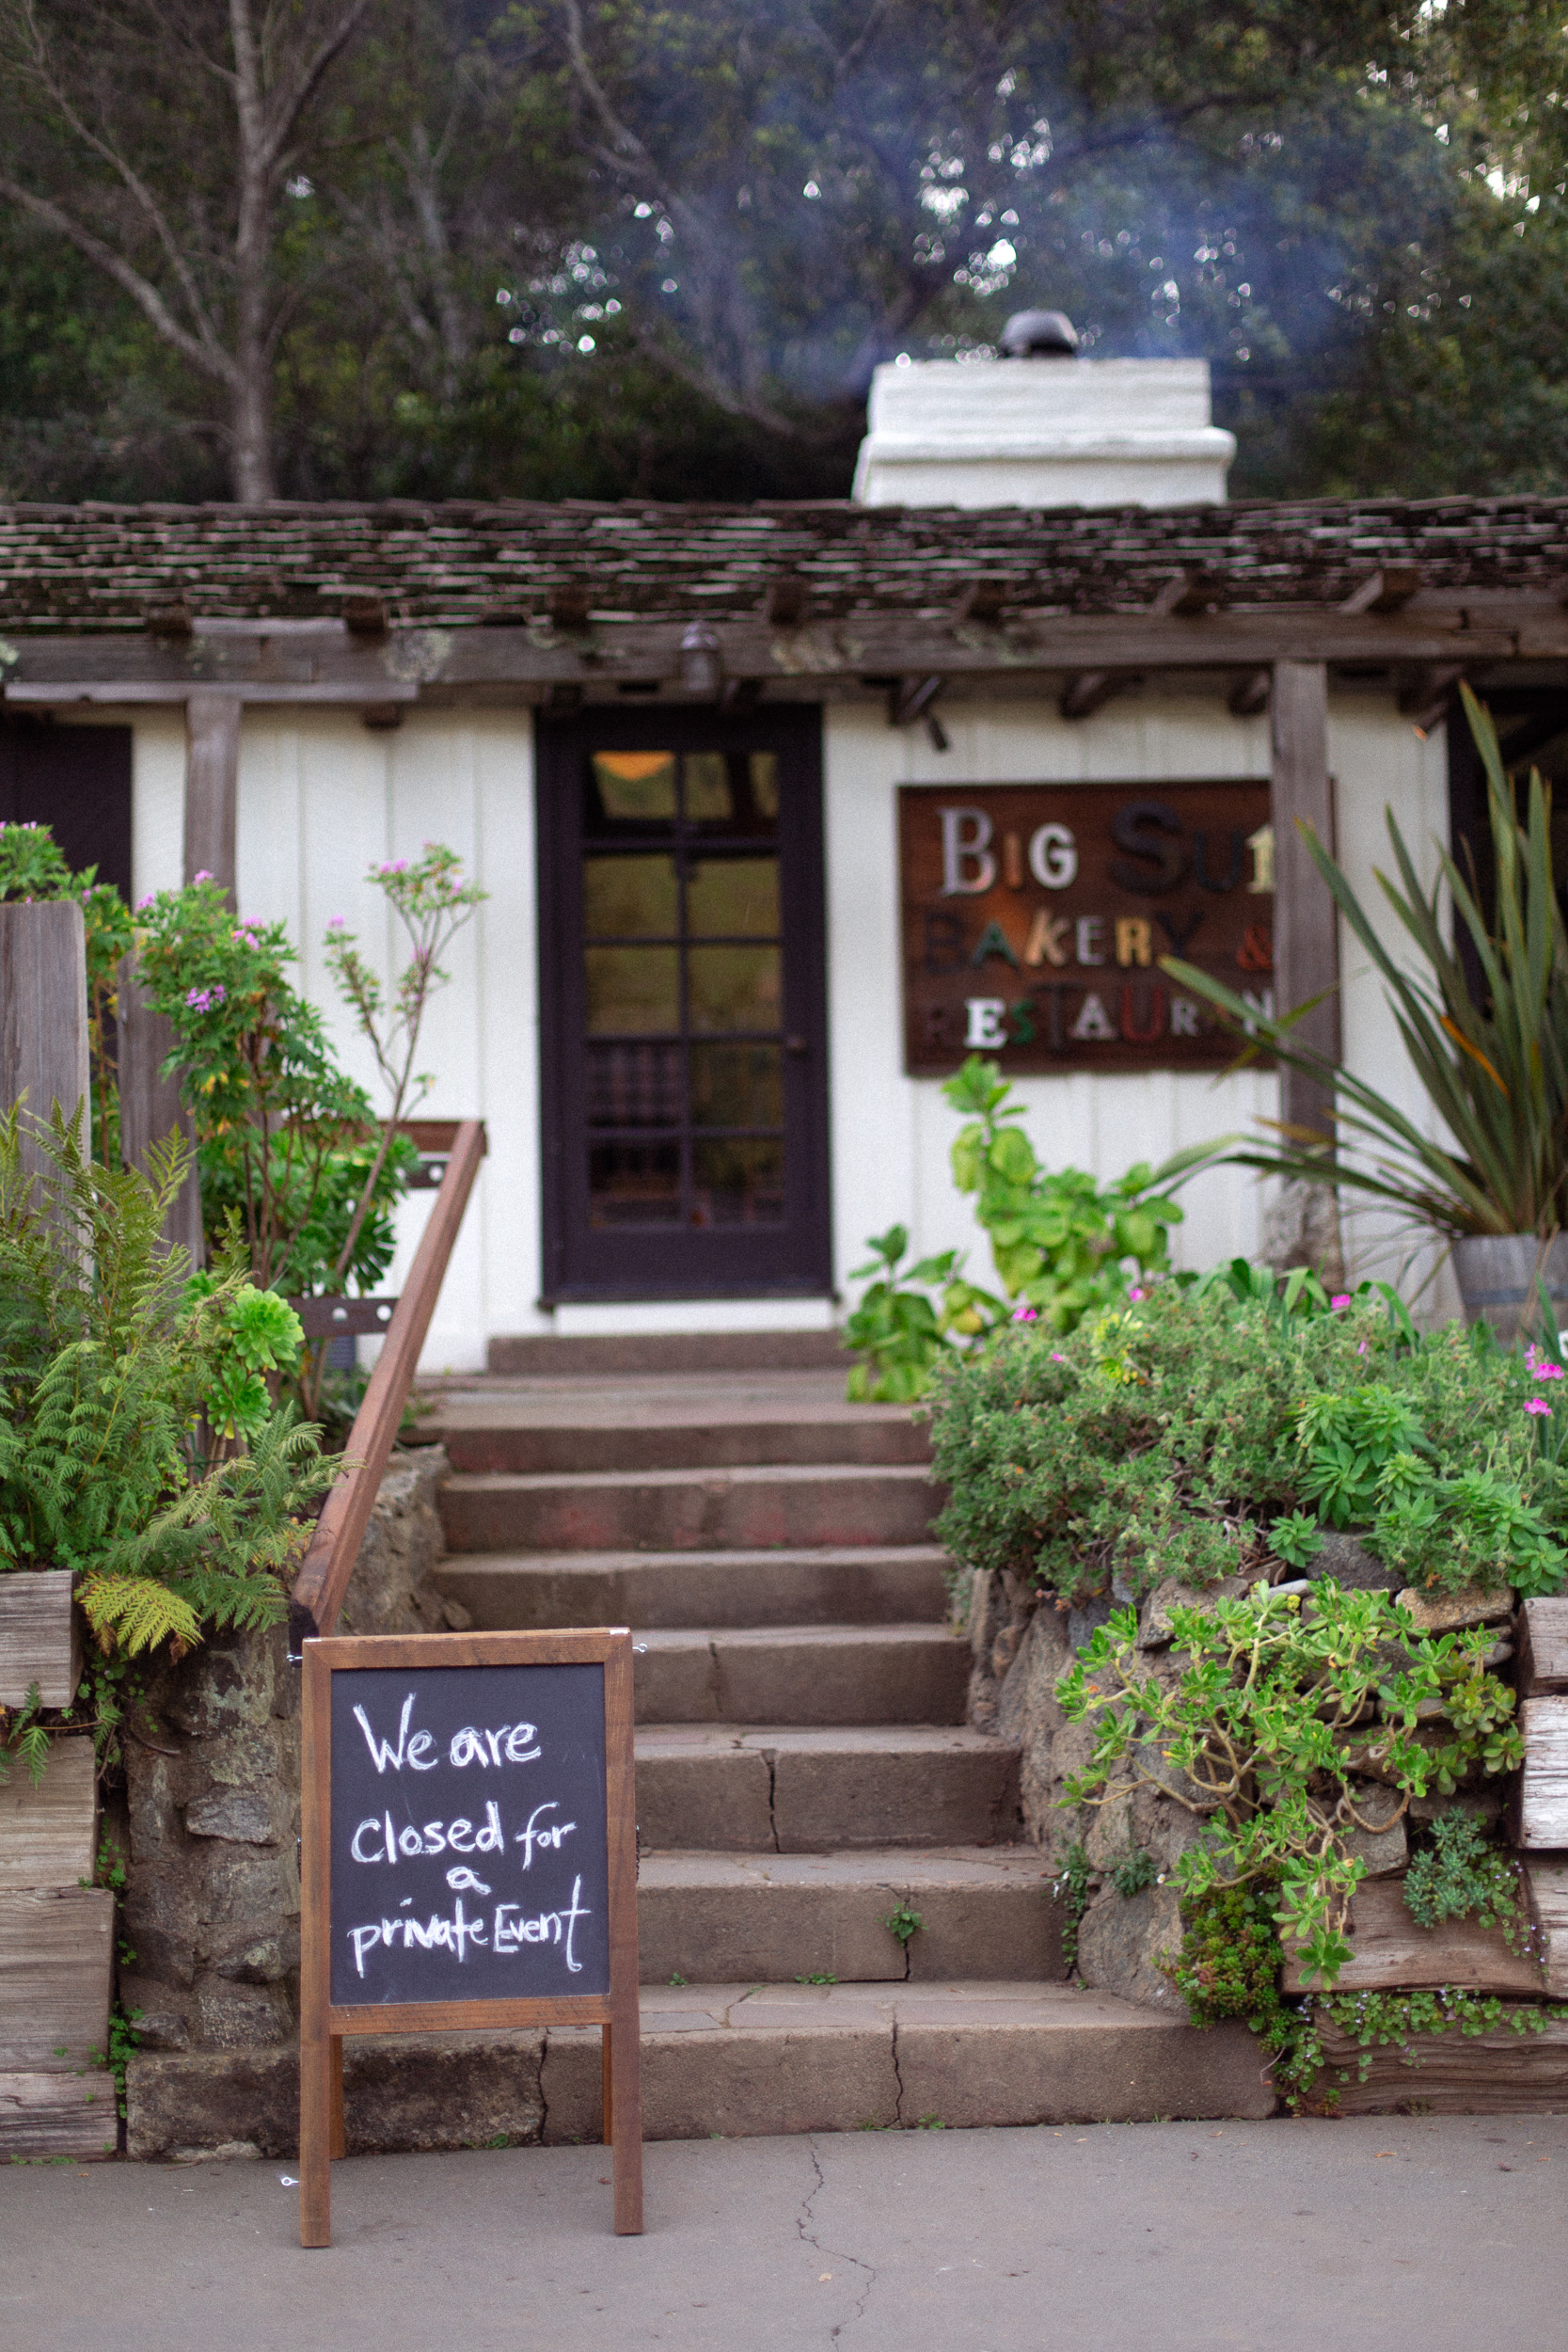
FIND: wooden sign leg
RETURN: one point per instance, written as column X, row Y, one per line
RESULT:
column 338, row 2143
column 315, row 2133
column 624, row 2115
column 606, row 2055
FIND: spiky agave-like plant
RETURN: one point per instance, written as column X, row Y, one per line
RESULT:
column 1494, row 1065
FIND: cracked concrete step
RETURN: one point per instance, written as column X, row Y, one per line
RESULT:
column 807, row 1674
column 625, row 1431
column 866, row 1584
column 760, row 1790
column 743, row 2061
column 689, row 1510
column 983, row 1912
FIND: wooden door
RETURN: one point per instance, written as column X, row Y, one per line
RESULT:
column 684, row 1005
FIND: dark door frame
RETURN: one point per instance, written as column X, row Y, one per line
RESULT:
column 790, row 1260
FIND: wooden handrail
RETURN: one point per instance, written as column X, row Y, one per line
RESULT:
column 322, row 1579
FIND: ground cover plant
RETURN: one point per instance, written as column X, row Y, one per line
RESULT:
column 1205, row 1430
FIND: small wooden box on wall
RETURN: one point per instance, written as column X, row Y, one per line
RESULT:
column 56, row 1929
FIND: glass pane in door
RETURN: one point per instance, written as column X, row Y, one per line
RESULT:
column 683, row 970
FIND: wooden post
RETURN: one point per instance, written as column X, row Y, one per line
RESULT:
column 1305, row 920
column 43, row 1018
column 149, row 1104
column 211, row 786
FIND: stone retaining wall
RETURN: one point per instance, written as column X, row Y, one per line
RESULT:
column 209, row 1918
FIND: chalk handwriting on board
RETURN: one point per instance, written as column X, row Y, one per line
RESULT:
column 469, row 1848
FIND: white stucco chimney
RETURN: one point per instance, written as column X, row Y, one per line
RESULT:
column 1038, row 431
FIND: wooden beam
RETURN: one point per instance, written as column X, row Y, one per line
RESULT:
column 1384, row 591
column 1188, row 594
column 1091, row 689
column 1305, row 921
column 786, row 599
column 211, row 786
column 149, row 1104
column 1425, row 696
column 911, row 698
column 44, row 1019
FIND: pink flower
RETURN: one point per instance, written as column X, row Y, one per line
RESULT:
column 202, row 877
column 142, row 904
column 1058, row 1359
column 1538, row 1405
column 1025, row 1315
column 1340, row 1300
column 1362, row 1349
column 1135, row 1293
column 203, row 999
column 338, row 923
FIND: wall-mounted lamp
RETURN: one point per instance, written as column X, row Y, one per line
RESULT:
column 702, row 662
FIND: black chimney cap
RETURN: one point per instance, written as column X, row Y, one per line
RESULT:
column 1039, row 335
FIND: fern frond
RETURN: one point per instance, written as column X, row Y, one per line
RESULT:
column 136, row 1613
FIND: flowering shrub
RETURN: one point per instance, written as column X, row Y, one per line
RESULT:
column 1214, row 1428
column 287, row 1143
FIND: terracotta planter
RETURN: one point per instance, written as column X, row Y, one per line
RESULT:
column 1498, row 1274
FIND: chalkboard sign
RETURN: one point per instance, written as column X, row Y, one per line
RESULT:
column 469, row 1858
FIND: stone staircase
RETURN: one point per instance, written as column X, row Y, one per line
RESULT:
column 806, row 1781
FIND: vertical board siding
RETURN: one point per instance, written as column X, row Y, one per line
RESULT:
column 892, row 1133
column 321, row 797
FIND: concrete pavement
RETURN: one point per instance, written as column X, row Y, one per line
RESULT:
column 1378, row 2235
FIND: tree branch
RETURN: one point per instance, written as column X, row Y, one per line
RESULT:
column 213, row 362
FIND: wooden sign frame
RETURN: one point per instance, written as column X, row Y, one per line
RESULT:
column 322, row 2024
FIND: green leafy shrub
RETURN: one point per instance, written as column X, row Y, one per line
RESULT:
column 117, row 1371
column 1264, row 1724
column 1207, row 1429
column 1460, row 1874
column 1062, row 1245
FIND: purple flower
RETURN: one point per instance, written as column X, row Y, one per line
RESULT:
column 1340, row 1298
column 1538, row 1405
column 142, row 904
column 1025, row 1315
column 203, row 999
column 202, row 877
column 338, row 923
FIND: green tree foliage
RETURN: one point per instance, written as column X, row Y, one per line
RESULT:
column 582, row 247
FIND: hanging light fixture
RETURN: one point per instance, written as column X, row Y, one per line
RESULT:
column 701, row 663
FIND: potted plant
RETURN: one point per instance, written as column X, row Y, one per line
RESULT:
column 1492, row 1061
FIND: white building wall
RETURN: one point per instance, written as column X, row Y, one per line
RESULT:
column 321, row 798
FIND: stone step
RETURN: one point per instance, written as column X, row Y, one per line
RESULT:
column 870, row 1585
column 741, row 2061
column 732, row 2062
column 811, row 1673
column 689, row 1510
column 517, row 1435
column 607, row 1355
column 781, row 1789
column 983, row 1912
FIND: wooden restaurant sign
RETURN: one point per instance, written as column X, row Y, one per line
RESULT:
column 1035, row 917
